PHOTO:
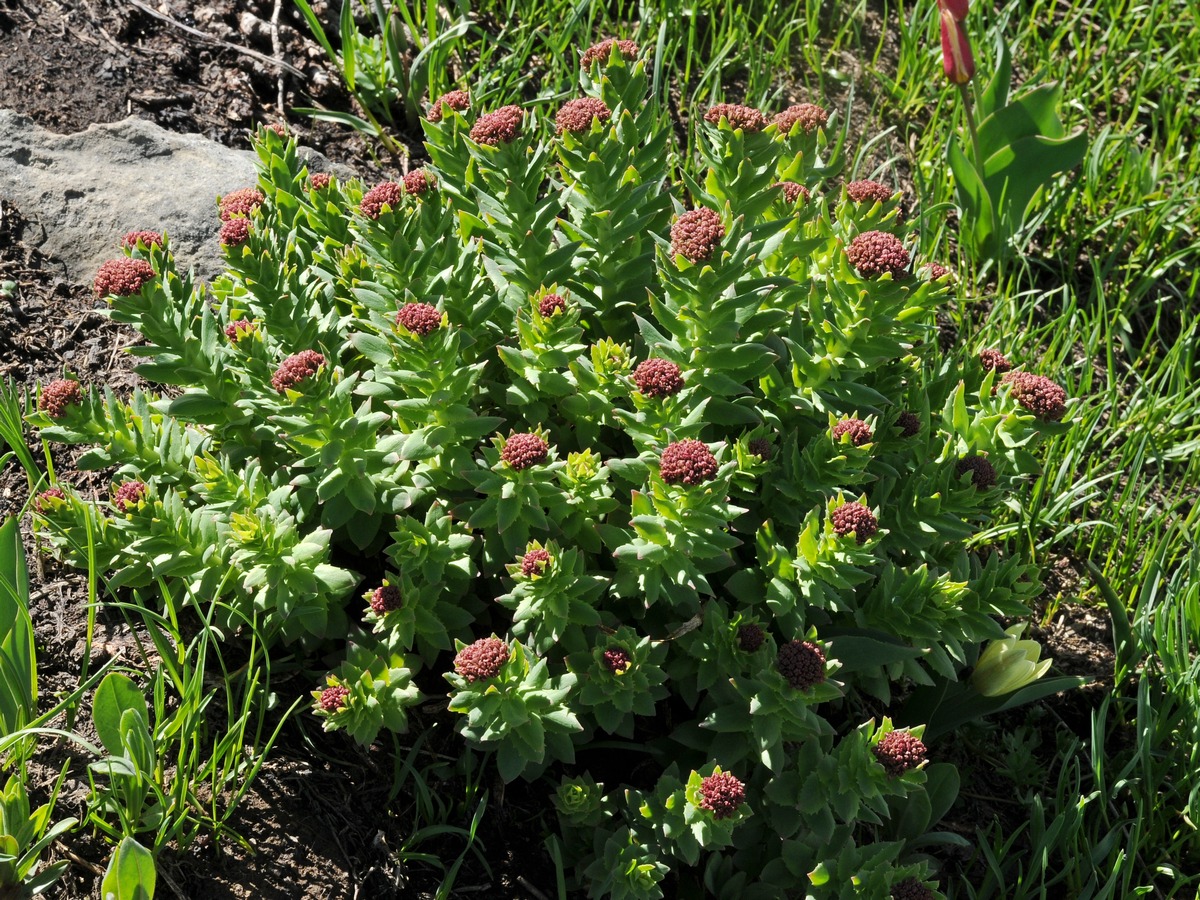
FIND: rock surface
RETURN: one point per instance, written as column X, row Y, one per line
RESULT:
column 84, row 191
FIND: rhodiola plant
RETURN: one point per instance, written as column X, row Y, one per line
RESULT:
column 671, row 459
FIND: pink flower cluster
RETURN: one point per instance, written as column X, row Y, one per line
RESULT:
column 420, row 319
column 617, row 660
column 602, row 51
column 241, row 202
column 129, row 494
column 385, row 599
column 793, row 191
column 722, row 794
column 481, row 660
column 875, row 253
column 1038, row 394
column 899, row 751
column 459, row 101
column 524, row 450
column 333, row 698
column 747, row 118
column 658, row 378
column 809, row 116
column 147, row 238
column 499, row 127
column 697, row 234
column 687, row 462
column 535, row 562
column 122, row 277
column 551, row 304
column 58, row 395
column 856, row 519
column 295, row 369
column 802, row 664
column 576, row 116
column 858, row 430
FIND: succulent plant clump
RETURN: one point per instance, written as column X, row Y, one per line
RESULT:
column 617, row 660
column 747, row 118
column 722, row 794
column 235, row 232
column 147, row 238
column 995, row 361
column 658, row 378
column 42, row 499
column 419, row 182
column 459, row 101
column 499, row 127
column 333, row 698
column 687, row 462
column 793, row 191
column 801, row 663
column 875, row 253
column 750, row 637
column 389, row 194
column 983, row 473
column 858, row 430
column 909, row 424
column 482, row 659
column 524, row 450
column 867, row 191
column 602, row 51
column 576, row 116
column 899, row 751
column 809, row 115
column 697, row 234
column 856, row 519
column 58, row 395
column 535, row 562
column 385, row 599
column 295, row 369
column 1038, row 394
column 129, row 494
column 241, row 202
column 122, row 277
column 420, row 319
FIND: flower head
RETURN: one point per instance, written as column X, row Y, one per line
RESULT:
column 760, row 447
column 1008, row 664
column 279, row 128
column 911, row 889
column 750, row 637
column 386, row 194
column 129, row 494
column 858, row 430
column 983, row 473
column 499, row 127
column 793, row 192
column 333, row 698
column 747, row 118
column 687, row 462
column 957, row 60
column 809, row 115
column 1038, row 394
column 385, row 599
column 524, row 450
column 856, row 519
column 419, row 318
column 241, row 202
column 602, row 51
column 994, row 361
column 697, row 234
column 899, row 751
column 658, row 378
column 482, row 659
column 235, row 232
column 419, row 181
column 802, row 664
column 934, row 271
column 123, row 277
column 147, row 238
column 909, row 424
column 42, row 500
column 58, row 395
column 875, row 253
column 459, row 101
column 722, row 794
column 576, row 116
column 550, row 305
column 617, row 660
column 296, row 369
column 238, row 329
column 318, row 181
column 867, row 191
column 535, row 562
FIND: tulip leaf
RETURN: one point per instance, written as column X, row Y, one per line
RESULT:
column 976, row 209
column 131, row 874
column 1018, row 171
column 995, row 95
column 116, row 694
column 1034, row 113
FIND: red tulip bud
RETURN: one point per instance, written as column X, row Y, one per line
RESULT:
column 957, row 8
column 956, row 49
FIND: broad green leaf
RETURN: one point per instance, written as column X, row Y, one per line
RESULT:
column 976, row 212
column 116, row 694
column 1019, row 170
column 131, row 874
column 995, row 95
column 1033, row 113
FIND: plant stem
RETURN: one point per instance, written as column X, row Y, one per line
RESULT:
column 970, row 116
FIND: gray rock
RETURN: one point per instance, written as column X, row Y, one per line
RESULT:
column 85, row 191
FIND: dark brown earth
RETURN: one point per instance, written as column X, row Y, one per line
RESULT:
column 326, row 820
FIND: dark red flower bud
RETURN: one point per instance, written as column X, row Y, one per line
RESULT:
column 602, row 51
column 385, row 599
column 697, row 234
column 148, row 238
column 235, row 331
column 41, row 500
column 617, row 660
column 419, row 181
column 793, row 192
column 576, row 116
column 318, row 181
column 867, row 191
column 123, row 277
column 854, row 518
column 900, row 751
column 747, row 118
column 386, row 194
column 524, row 450
column 58, row 395
column 235, row 232
column 802, row 664
column 1038, row 394
column 983, row 474
column 722, row 794
column 499, row 127
column 128, row 495
column 550, row 305
column 934, row 271
column 750, row 637
column 909, row 424
column 875, row 253
column 687, row 462
column 482, row 659
column 278, row 128
column 296, row 369
column 333, row 698
column 459, row 101
column 535, row 562
column 241, row 202
column 419, row 318
column 760, row 447
column 658, row 378
column 995, row 361
column 859, row 431
column 911, row 889
column 809, row 115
